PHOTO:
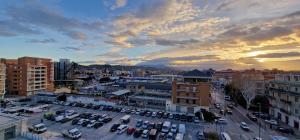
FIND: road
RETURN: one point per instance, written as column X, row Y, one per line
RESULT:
column 234, row 120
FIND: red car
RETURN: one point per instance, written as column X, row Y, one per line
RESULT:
column 130, row 131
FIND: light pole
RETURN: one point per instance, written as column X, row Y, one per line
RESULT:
column 259, row 123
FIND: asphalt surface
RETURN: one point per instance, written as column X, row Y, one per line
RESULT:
column 103, row 133
column 238, row 116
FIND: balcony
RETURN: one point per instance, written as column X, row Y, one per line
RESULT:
column 285, row 101
column 285, row 111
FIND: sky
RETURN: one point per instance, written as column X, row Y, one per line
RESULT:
column 183, row 34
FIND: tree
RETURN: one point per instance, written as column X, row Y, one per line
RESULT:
column 62, row 98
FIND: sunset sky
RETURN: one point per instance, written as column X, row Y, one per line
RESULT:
column 184, row 34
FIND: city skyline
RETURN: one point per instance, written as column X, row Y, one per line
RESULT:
column 183, row 34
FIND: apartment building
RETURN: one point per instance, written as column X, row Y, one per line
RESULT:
column 27, row 75
column 192, row 94
column 2, row 79
column 284, row 97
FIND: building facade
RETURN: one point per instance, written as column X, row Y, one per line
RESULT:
column 284, row 97
column 11, row 126
column 63, row 70
column 27, row 75
column 191, row 95
column 2, row 79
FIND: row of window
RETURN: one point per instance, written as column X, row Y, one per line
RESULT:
column 186, row 101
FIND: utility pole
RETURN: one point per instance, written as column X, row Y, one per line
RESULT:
column 259, row 123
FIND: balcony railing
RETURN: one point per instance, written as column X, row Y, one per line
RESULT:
column 285, row 101
column 285, row 111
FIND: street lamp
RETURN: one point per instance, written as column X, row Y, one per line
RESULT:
column 259, row 123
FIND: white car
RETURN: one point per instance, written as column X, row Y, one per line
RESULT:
column 221, row 121
column 145, row 133
column 273, row 122
column 257, row 138
column 153, row 114
column 122, row 128
column 170, row 136
column 92, row 123
column 244, row 126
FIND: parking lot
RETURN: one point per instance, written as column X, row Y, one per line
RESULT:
column 103, row 132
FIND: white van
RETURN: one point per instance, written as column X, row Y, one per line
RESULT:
column 225, row 136
column 181, row 129
column 166, row 127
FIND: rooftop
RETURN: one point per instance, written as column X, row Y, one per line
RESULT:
column 197, row 73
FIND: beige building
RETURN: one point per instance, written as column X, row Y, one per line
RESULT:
column 284, row 97
column 2, row 80
column 191, row 95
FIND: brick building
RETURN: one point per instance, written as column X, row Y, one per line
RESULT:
column 27, row 75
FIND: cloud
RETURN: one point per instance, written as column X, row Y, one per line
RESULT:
column 44, row 41
column 279, row 55
column 31, row 16
column 118, row 4
column 166, row 42
column 68, row 48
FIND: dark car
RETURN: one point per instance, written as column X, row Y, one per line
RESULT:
column 166, row 115
column 59, row 112
column 159, row 114
column 190, row 118
column 176, row 116
column 159, row 126
column 138, row 133
column 96, row 107
column 98, row 124
column 286, row 130
column 183, row 118
column 90, row 105
column 148, row 114
column 64, row 120
column 114, row 127
column 106, row 120
column 251, row 117
column 75, row 121
column 142, row 113
column 162, row 136
column 85, row 123
column 151, row 125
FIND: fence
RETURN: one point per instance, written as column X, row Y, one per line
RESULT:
column 31, row 136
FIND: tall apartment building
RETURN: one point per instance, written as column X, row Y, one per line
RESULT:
column 284, row 97
column 28, row 75
column 62, row 70
column 2, row 79
column 192, row 94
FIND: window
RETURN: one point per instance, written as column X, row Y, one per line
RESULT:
column 194, row 101
column 178, row 100
column 296, row 99
column 187, row 101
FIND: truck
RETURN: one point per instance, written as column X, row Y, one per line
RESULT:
column 72, row 133
column 125, row 119
column 166, row 127
column 38, row 128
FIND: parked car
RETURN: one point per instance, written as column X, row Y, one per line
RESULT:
column 273, row 122
column 159, row 126
column 138, row 133
column 122, row 128
column 286, row 130
column 145, row 133
column 196, row 120
column 130, row 131
column 170, row 116
column 244, row 126
column 162, row 136
column 170, row 136
column 106, row 120
column 151, row 125
column 98, row 124
column 200, row 135
column 72, row 133
column 139, row 123
column 114, row 127
column 153, row 114
column 174, row 128
column 145, row 125
column 38, row 128
column 75, row 121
